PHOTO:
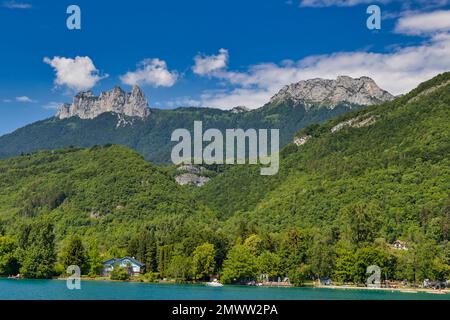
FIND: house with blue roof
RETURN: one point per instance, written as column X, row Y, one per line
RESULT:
column 133, row 266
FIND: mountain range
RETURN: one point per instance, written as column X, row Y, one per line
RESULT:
column 124, row 118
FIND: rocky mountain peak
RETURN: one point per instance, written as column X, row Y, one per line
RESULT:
column 240, row 109
column 86, row 105
column 330, row 93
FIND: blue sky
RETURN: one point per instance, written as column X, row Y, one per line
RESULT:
column 209, row 52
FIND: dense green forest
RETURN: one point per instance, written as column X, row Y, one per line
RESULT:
column 336, row 207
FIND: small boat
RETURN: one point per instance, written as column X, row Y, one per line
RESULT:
column 214, row 283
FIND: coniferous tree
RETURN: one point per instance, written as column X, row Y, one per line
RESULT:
column 75, row 255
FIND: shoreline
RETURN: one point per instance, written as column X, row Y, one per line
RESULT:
column 402, row 290
column 310, row 286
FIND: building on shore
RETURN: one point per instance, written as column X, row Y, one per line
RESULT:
column 133, row 266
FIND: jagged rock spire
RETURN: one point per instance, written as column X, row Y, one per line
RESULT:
column 86, row 105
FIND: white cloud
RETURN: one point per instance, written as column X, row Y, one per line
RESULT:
column 424, row 23
column 206, row 65
column 16, row 5
column 183, row 102
column 21, row 99
column 24, row 99
column 151, row 72
column 398, row 72
column 250, row 98
column 77, row 74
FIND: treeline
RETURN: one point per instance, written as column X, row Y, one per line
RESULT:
column 342, row 252
column 33, row 253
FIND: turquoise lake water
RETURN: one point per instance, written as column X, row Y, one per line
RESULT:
column 96, row 290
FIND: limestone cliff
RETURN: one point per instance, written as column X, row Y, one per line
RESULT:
column 86, row 105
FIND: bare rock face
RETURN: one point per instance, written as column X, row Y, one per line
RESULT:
column 330, row 93
column 359, row 122
column 299, row 141
column 240, row 109
column 86, row 105
column 191, row 175
column 192, row 179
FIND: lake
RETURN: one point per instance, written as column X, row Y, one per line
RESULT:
column 99, row 290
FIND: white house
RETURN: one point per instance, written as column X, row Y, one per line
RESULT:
column 400, row 245
column 133, row 266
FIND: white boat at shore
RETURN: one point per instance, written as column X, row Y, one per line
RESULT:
column 214, row 283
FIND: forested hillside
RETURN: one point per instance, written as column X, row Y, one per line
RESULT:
column 397, row 161
column 337, row 205
column 106, row 192
column 151, row 136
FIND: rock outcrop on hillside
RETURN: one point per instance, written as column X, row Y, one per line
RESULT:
column 240, row 109
column 330, row 93
column 191, row 175
column 86, row 105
